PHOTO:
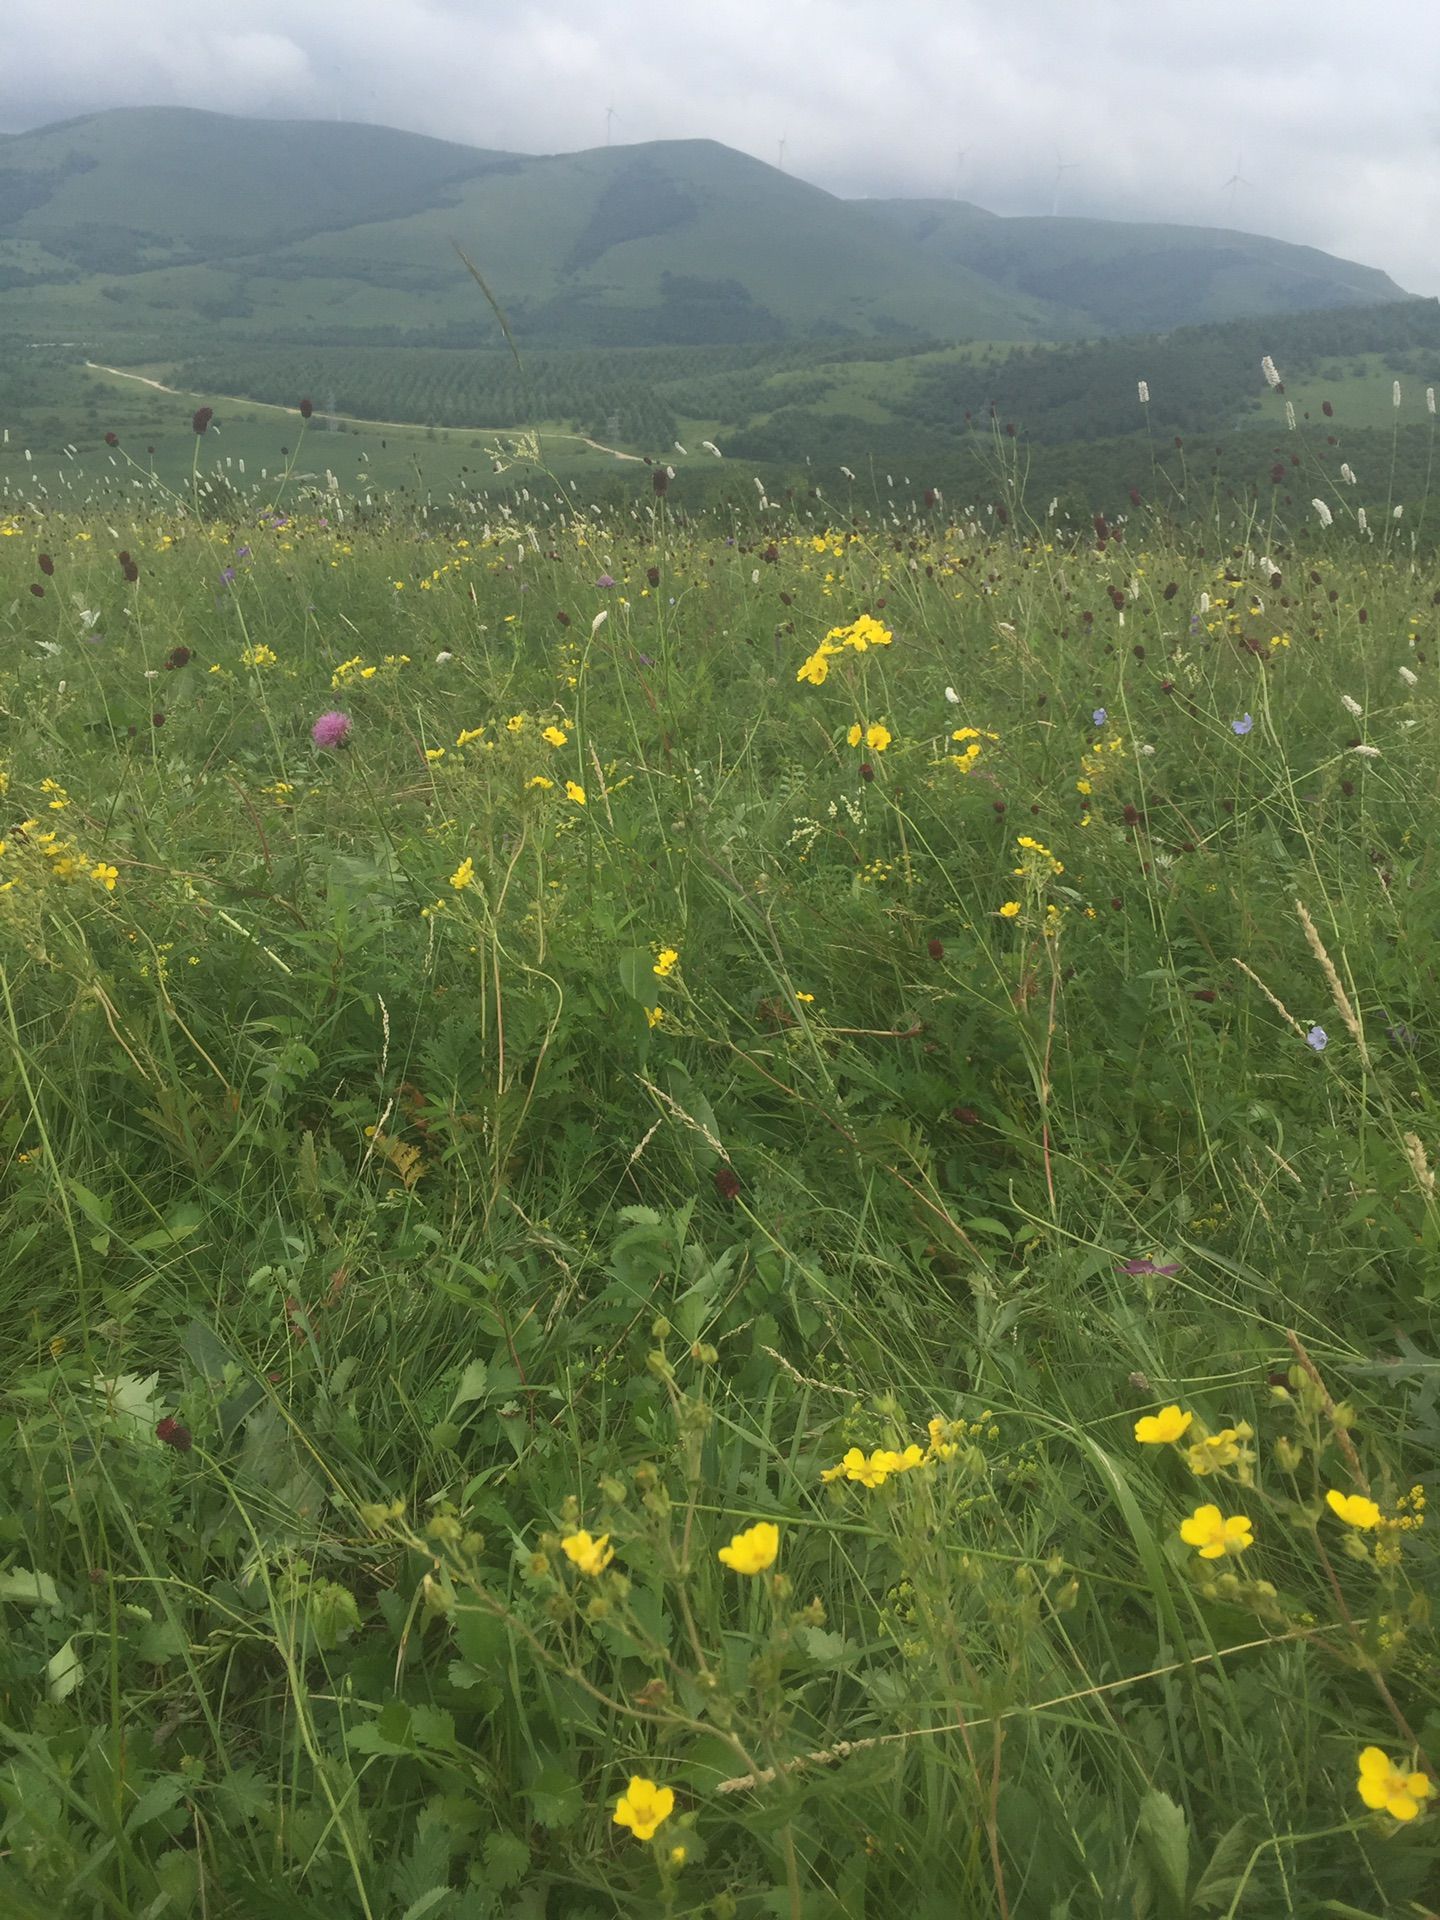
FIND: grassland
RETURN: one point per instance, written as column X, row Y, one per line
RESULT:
column 462, row 1177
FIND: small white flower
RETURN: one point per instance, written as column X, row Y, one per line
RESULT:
column 599, row 620
column 680, row 449
column 1367, row 753
column 1204, row 603
column 1429, row 399
column 443, row 659
column 710, row 447
column 1347, row 473
column 755, row 576
column 1410, row 679
column 1267, row 367
column 152, row 673
column 953, row 697
column 1352, row 707
column 1399, row 513
column 1148, row 751
column 1323, row 513
column 1361, row 521
column 847, row 473
column 1144, row 386
column 1290, row 415
column 1394, row 393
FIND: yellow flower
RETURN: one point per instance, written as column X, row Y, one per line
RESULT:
column 554, row 736
column 666, row 964
column 856, row 734
column 1215, row 1450
column 463, row 875
column 539, row 780
column 515, row 723
column 878, row 738
column 107, row 876
column 574, row 791
column 432, row 754
column 817, row 667
column 753, row 1550
column 590, row 1556
column 258, row 657
column 654, row 1015
column 1356, row 1511
column 1385, row 1788
column 467, row 734
column 1213, row 1535
column 866, row 1471
column 643, row 1807
column 678, row 1856
column 1010, row 909
column 1161, row 1429
column 805, row 999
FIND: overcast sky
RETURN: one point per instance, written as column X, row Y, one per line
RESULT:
column 1328, row 112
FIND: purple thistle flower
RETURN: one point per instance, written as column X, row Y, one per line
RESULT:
column 1145, row 1266
column 1318, row 1039
column 1242, row 726
column 227, row 574
column 645, row 659
column 605, row 580
column 331, row 730
column 242, row 553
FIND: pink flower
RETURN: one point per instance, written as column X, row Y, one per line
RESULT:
column 331, row 730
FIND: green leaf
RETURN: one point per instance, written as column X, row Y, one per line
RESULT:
column 555, row 1799
column 507, row 1861
column 1164, row 1837
column 474, row 1382
column 63, row 1673
column 1217, row 1884
column 29, row 1589
column 427, row 1903
column 159, row 1797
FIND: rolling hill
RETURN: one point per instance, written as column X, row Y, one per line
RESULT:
column 137, row 230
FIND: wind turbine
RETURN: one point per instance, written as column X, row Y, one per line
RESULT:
column 610, row 116
column 960, row 157
column 1236, row 180
column 1061, row 167
column 780, row 162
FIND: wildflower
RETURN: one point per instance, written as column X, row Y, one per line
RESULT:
column 1386, row 1788
column 331, row 730
column 1010, row 909
column 605, row 580
column 666, row 962
column 1395, row 393
column 855, row 735
column 1322, row 513
column 307, row 407
column 464, row 875
column 1134, row 1267
column 654, row 1015
column 516, row 723
column 1366, row 752
column 1213, row 1535
column 259, row 656
column 1242, row 726
column 727, row 1183
column 555, row 737
column 1354, row 1509
column 107, row 876
column 878, row 737
column 444, row 657
column 1352, row 707
column 574, row 791
column 753, row 1550
column 590, row 1556
column 805, row 999
column 952, row 696
column 1099, row 716
column 1267, row 367
column 539, row 780
column 174, row 1435
column 643, row 1807
column 1164, row 1428
column 201, row 418
column 1410, row 679
column 1144, row 387
column 467, row 734
column 1318, row 1039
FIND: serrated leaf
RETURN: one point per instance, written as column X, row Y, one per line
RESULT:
column 1164, row 1836
column 474, row 1383
column 28, row 1589
column 159, row 1797
column 1217, row 1884
column 427, row 1903
column 507, row 1861
column 555, row 1799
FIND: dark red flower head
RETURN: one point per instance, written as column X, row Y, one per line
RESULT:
column 201, row 418
column 37, row 589
column 563, row 618
column 178, row 657
column 174, row 1435
column 936, row 949
column 1327, row 409
column 652, row 574
column 112, row 439
column 45, row 564
column 660, row 480
column 307, row 407
column 967, row 1116
column 727, row 1183
column 867, row 772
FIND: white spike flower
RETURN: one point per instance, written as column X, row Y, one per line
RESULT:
column 1323, row 513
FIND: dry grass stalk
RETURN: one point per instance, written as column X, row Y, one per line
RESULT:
column 1332, row 980
column 1283, row 1011
column 1420, row 1165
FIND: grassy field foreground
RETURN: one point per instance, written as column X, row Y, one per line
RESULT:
column 725, row 1225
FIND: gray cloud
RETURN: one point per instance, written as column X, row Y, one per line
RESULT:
column 1110, row 108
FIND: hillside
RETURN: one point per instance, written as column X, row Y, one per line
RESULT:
column 1119, row 277
column 134, row 230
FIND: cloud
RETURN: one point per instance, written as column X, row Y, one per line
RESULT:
column 1286, row 120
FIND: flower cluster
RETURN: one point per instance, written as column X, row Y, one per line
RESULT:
column 875, row 1468
column 860, row 636
column 968, row 739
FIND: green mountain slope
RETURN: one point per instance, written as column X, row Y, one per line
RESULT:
column 133, row 231
column 1112, row 277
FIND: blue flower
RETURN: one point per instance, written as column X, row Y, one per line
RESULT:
column 1242, row 725
column 1099, row 716
column 1317, row 1038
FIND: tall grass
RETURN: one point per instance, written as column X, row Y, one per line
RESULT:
column 386, row 1209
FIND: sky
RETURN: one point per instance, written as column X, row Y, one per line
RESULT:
column 1316, row 122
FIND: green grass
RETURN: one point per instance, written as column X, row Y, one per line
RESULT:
column 367, row 1236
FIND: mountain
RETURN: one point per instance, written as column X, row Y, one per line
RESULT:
column 1118, row 277
column 136, row 230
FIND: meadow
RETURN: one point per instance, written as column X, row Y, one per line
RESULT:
column 720, row 1215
